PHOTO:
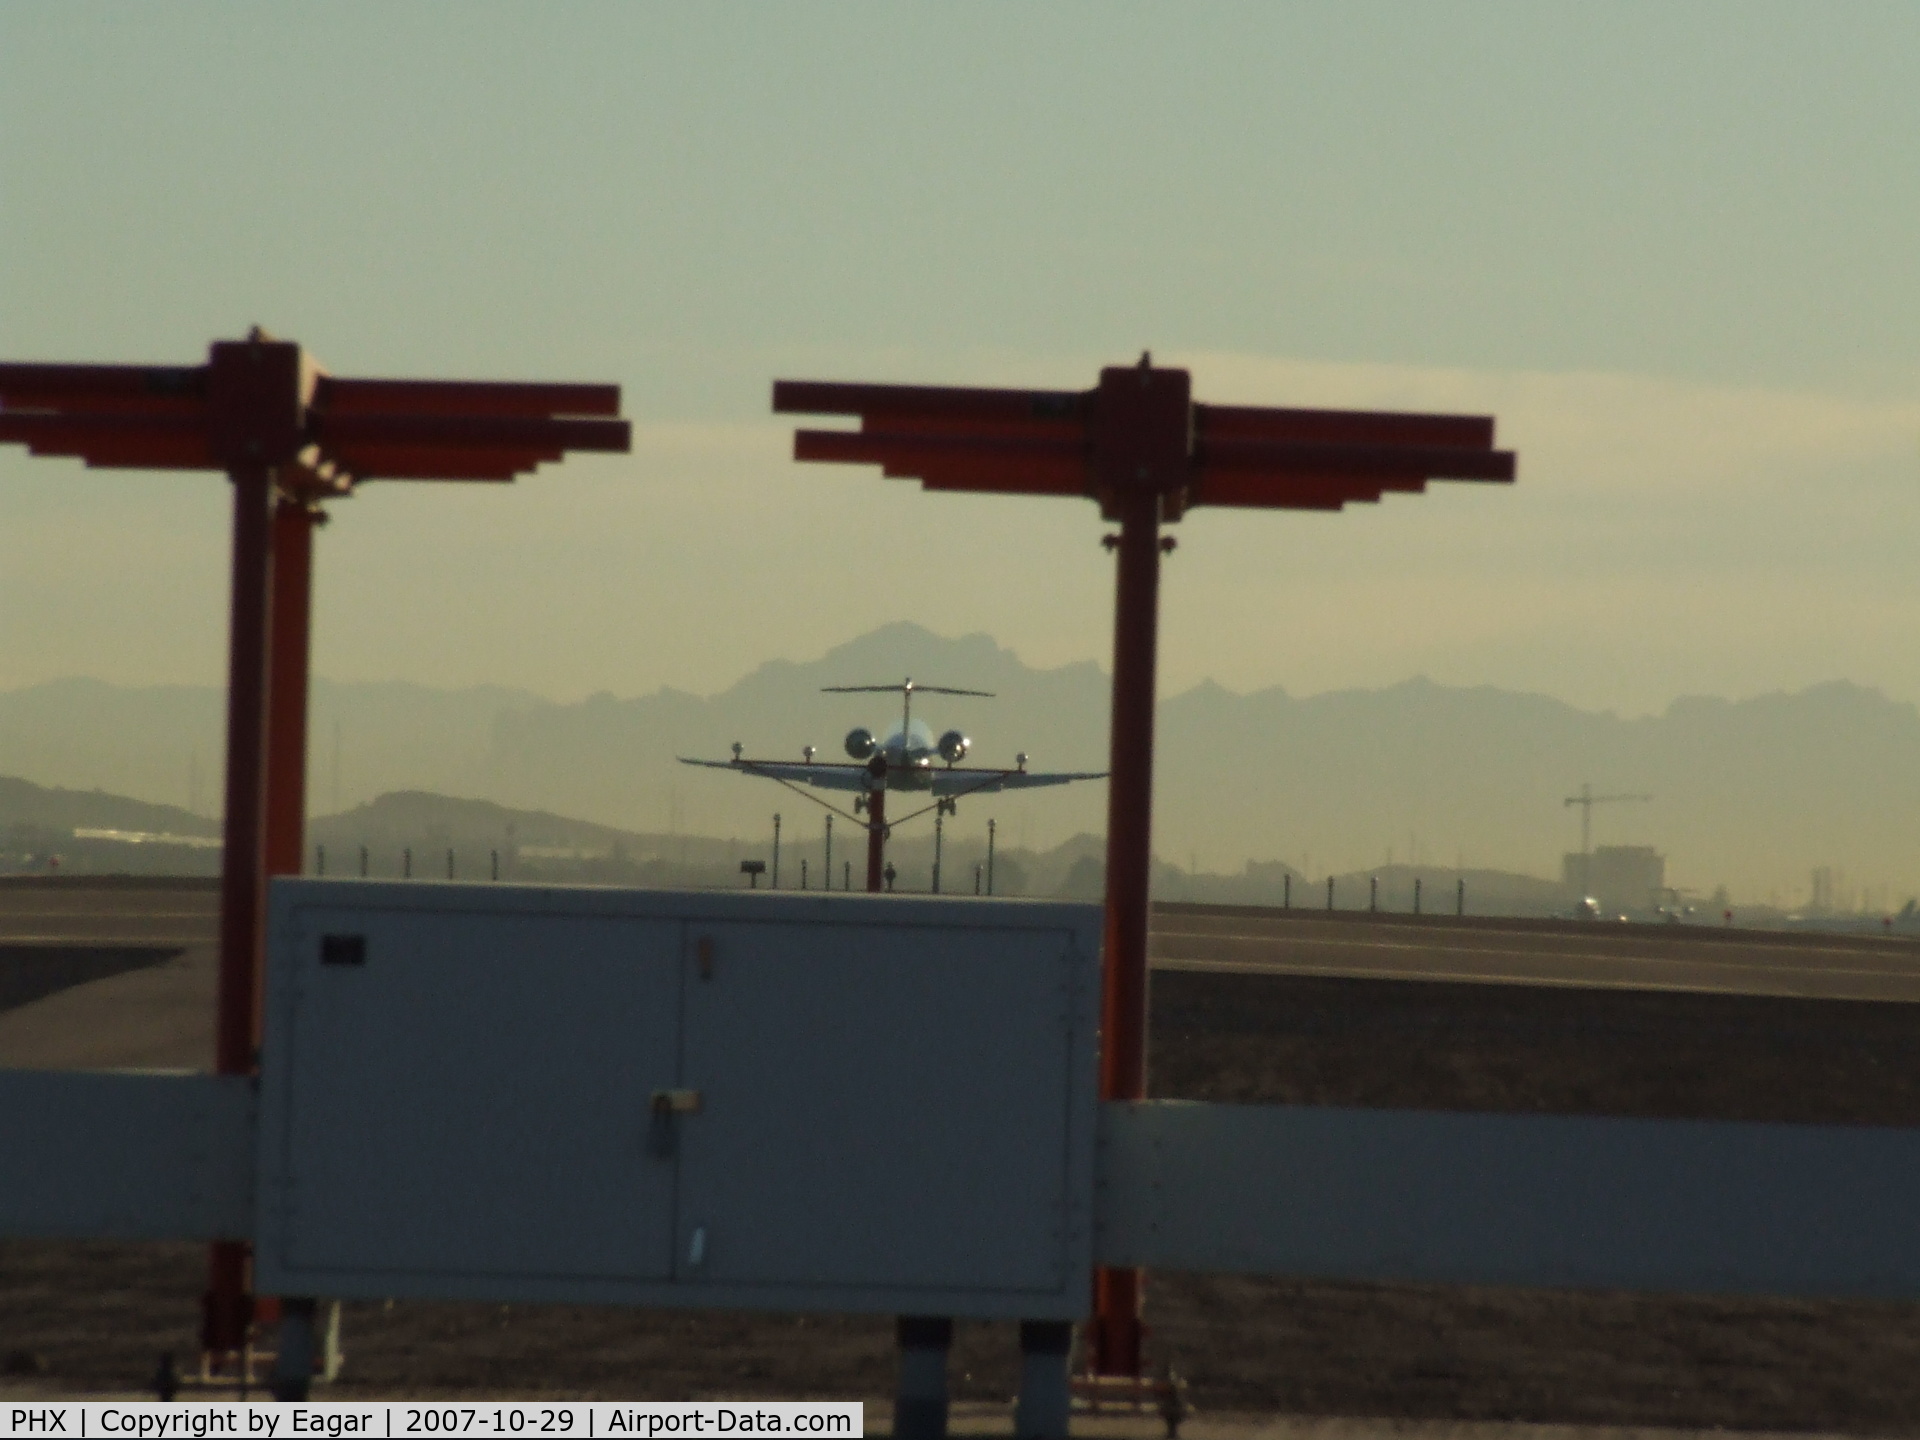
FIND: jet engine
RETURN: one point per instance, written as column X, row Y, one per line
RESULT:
column 860, row 744
column 953, row 747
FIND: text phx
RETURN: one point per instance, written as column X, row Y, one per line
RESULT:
column 32, row 1420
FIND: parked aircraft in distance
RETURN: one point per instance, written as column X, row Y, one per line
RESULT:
column 910, row 758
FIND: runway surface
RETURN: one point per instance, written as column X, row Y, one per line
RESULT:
column 1593, row 955
column 108, row 912
column 122, row 971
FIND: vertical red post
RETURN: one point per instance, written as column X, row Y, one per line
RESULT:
column 256, row 392
column 228, row 1306
column 294, row 522
column 1116, row 1338
column 1142, row 454
column 289, row 648
column 1123, row 1059
column 241, row 890
column 876, row 840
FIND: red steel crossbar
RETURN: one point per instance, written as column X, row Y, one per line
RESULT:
column 1138, row 445
column 288, row 435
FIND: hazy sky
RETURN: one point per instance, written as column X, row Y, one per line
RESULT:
column 1672, row 246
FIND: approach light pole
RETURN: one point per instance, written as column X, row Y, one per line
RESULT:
column 1138, row 445
column 289, row 436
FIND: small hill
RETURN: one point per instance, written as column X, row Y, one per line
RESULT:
column 89, row 832
column 420, row 833
column 422, row 817
column 24, row 804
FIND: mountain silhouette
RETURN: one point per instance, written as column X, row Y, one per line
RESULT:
column 1750, row 793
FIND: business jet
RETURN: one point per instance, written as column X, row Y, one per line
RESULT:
column 910, row 758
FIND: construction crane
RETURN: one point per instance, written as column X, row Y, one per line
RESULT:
column 1586, row 800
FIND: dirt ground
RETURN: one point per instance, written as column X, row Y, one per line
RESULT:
column 1431, row 1045
column 96, row 1316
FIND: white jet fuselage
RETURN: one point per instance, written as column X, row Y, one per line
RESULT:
column 912, row 757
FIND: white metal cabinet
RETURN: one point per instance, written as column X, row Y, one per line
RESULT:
column 679, row 1098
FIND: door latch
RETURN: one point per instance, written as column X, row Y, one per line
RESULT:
column 663, row 1140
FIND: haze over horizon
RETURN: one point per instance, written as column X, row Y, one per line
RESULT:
column 1752, row 793
column 1670, row 248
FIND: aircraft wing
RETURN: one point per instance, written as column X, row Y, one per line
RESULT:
column 956, row 780
column 826, row 776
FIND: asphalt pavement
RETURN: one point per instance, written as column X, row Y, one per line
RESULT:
column 137, row 961
column 1592, row 954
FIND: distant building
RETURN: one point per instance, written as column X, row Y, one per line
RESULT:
column 1825, row 891
column 1620, row 877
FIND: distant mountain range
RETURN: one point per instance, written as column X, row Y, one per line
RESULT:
column 1752, row 794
